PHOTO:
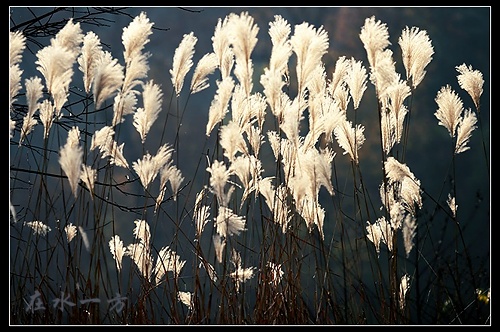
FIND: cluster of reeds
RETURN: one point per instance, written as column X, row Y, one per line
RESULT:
column 268, row 238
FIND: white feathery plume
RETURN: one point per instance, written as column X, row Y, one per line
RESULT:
column 115, row 154
column 276, row 75
column 228, row 223
column 173, row 175
column 107, row 78
column 17, row 44
column 349, row 138
column 34, row 92
column 466, row 125
column 15, row 73
column 141, row 256
column 243, row 37
column 255, row 138
column 417, row 51
column 219, row 106
column 409, row 189
column 396, row 171
column 206, row 66
column 221, row 44
column 117, row 250
column 392, row 120
column 102, row 138
column 137, row 69
column 338, row 76
column 46, row 116
column 219, row 176
column 145, row 117
column 88, row 176
column 89, row 58
column 356, row 80
column 375, row 37
column 331, row 117
column 232, row 141
column 450, row 107
column 167, row 260
column 317, row 90
column 292, row 116
column 452, row 205
column 142, row 232
column 276, row 273
column 38, row 227
column 471, row 81
column 404, row 286
column 276, row 201
column 279, row 31
column 342, row 97
column 384, row 73
column 135, row 36
column 241, row 275
column 309, row 45
column 273, row 84
column 183, row 61
column 55, row 63
column 409, row 232
column 29, row 122
column 201, row 212
column 380, row 232
column 186, row 298
column 313, row 214
column 70, row 231
column 148, row 167
column 124, row 103
column 70, row 159
column 69, row 37
column 388, row 128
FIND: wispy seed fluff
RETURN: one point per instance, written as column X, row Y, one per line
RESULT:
column 206, row 66
column 38, row 227
column 466, row 125
column 219, row 106
column 243, row 37
column 349, row 138
column 145, row 117
column 356, row 80
column 88, row 60
column 221, row 44
column 417, row 51
column 450, row 107
column 34, row 92
column 309, row 44
column 183, row 61
column 107, row 77
column 471, row 81
column 17, row 44
column 148, row 167
column 375, row 37
column 70, row 159
column 136, row 36
column 117, row 250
